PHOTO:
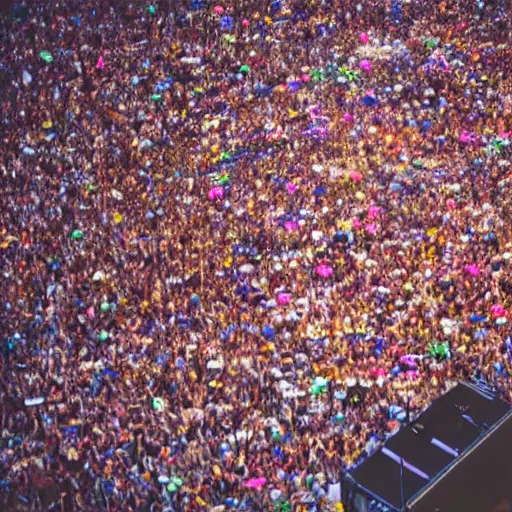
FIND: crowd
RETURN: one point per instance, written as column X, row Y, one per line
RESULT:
column 240, row 243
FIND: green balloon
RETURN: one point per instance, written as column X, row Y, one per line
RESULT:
column 46, row 56
column 151, row 9
column 229, row 38
column 156, row 97
column 432, row 43
column 103, row 336
column 77, row 234
column 105, row 306
column 178, row 482
column 172, row 487
column 315, row 390
column 245, row 68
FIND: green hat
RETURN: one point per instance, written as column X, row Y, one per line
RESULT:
column 103, row 336
column 151, row 9
column 105, row 306
column 245, row 68
column 77, row 234
column 156, row 97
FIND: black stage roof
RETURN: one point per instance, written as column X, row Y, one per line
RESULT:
column 456, row 456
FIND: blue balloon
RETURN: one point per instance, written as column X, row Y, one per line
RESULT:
column 268, row 332
column 370, row 101
column 226, row 23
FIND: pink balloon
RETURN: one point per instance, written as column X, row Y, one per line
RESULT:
column 291, row 226
column 363, row 37
column 373, row 212
column 216, row 193
column 218, row 9
column 498, row 311
column 255, row 483
column 371, row 229
column 378, row 372
column 324, row 271
column 356, row 223
column 409, row 360
column 365, row 65
column 451, row 204
column 305, row 78
column 355, row 176
column 284, row 298
column 291, row 187
column 464, row 137
column 472, row 270
column 245, row 22
column 90, row 313
column 468, row 137
column 348, row 118
column 100, row 64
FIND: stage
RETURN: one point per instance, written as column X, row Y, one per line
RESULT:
column 456, row 456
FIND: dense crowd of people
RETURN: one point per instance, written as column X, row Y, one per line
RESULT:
column 240, row 243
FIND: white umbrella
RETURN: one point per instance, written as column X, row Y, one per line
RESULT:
column 214, row 365
column 246, row 268
column 98, row 276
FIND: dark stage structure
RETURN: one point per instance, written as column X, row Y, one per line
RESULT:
column 455, row 457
